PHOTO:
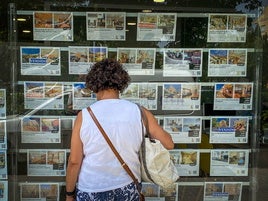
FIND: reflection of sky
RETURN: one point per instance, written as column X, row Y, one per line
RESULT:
column 219, row 86
column 46, row 186
column 97, row 50
column 34, row 84
column 220, row 119
column 30, row 50
column 29, row 119
column 191, row 121
column 219, row 52
column 79, row 86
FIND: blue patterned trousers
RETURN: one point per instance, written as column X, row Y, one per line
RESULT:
column 126, row 193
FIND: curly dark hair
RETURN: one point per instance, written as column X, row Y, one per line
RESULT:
column 107, row 74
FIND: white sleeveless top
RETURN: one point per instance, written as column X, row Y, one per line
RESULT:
column 101, row 170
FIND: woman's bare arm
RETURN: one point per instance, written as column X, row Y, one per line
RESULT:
column 76, row 156
column 157, row 132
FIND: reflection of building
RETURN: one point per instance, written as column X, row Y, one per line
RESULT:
column 263, row 23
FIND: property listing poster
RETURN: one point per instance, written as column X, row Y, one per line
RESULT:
column 227, row 62
column 182, row 62
column 137, row 61
column 227, row 28
column 3, row 190
column 43, row 95
column 144, row 94
column 3, row 164
column 53, row 26
column 184, row 129
column 106, row 26
column 40, row 61
column 186, row 161
column 233, row 96
column 229, row 162
column 3, row 134
column 156, row 26
column 229, row 129
column 181, row 96
column 46, row 162
column 222, row 191
column 154, row 192
column 82, row 97
column 81, row 58
column 3, row 103
column 40, row 129
column 39, row 191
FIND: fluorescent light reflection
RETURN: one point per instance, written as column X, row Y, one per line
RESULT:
column 21, row 19
column 26, row 31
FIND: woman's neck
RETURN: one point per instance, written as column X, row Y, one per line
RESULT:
column 108, row 94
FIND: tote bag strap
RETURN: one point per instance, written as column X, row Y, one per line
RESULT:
column 144, row 123
column 122, row 162
column 144, row 120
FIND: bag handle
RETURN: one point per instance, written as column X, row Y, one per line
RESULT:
column 145, row 122
column 122, row 162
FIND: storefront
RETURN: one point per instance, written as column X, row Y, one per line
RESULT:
column 199, row 66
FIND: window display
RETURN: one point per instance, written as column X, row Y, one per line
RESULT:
column 46, row 162
column 138, row 61
column 179, row 61
column 183, row 62
column 3, row 164
column 156, row 26
column 81, row 58
column 233, row 96
column 216, row 191
column 43, row 95
column 3, row 135
column 184, row 129
column 41, row 129
column 181, row 96
column 53, row 26
column 40, row 61
column 229, row 129
column 144, row 94
column 106, row 25
column 227, row 27
column 3, row 190
column 39, row 191
column 229, row 162
column 186, row 161
column 227, row 62
column 2, row 104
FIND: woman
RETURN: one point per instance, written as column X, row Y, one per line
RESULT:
column 93, row 171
